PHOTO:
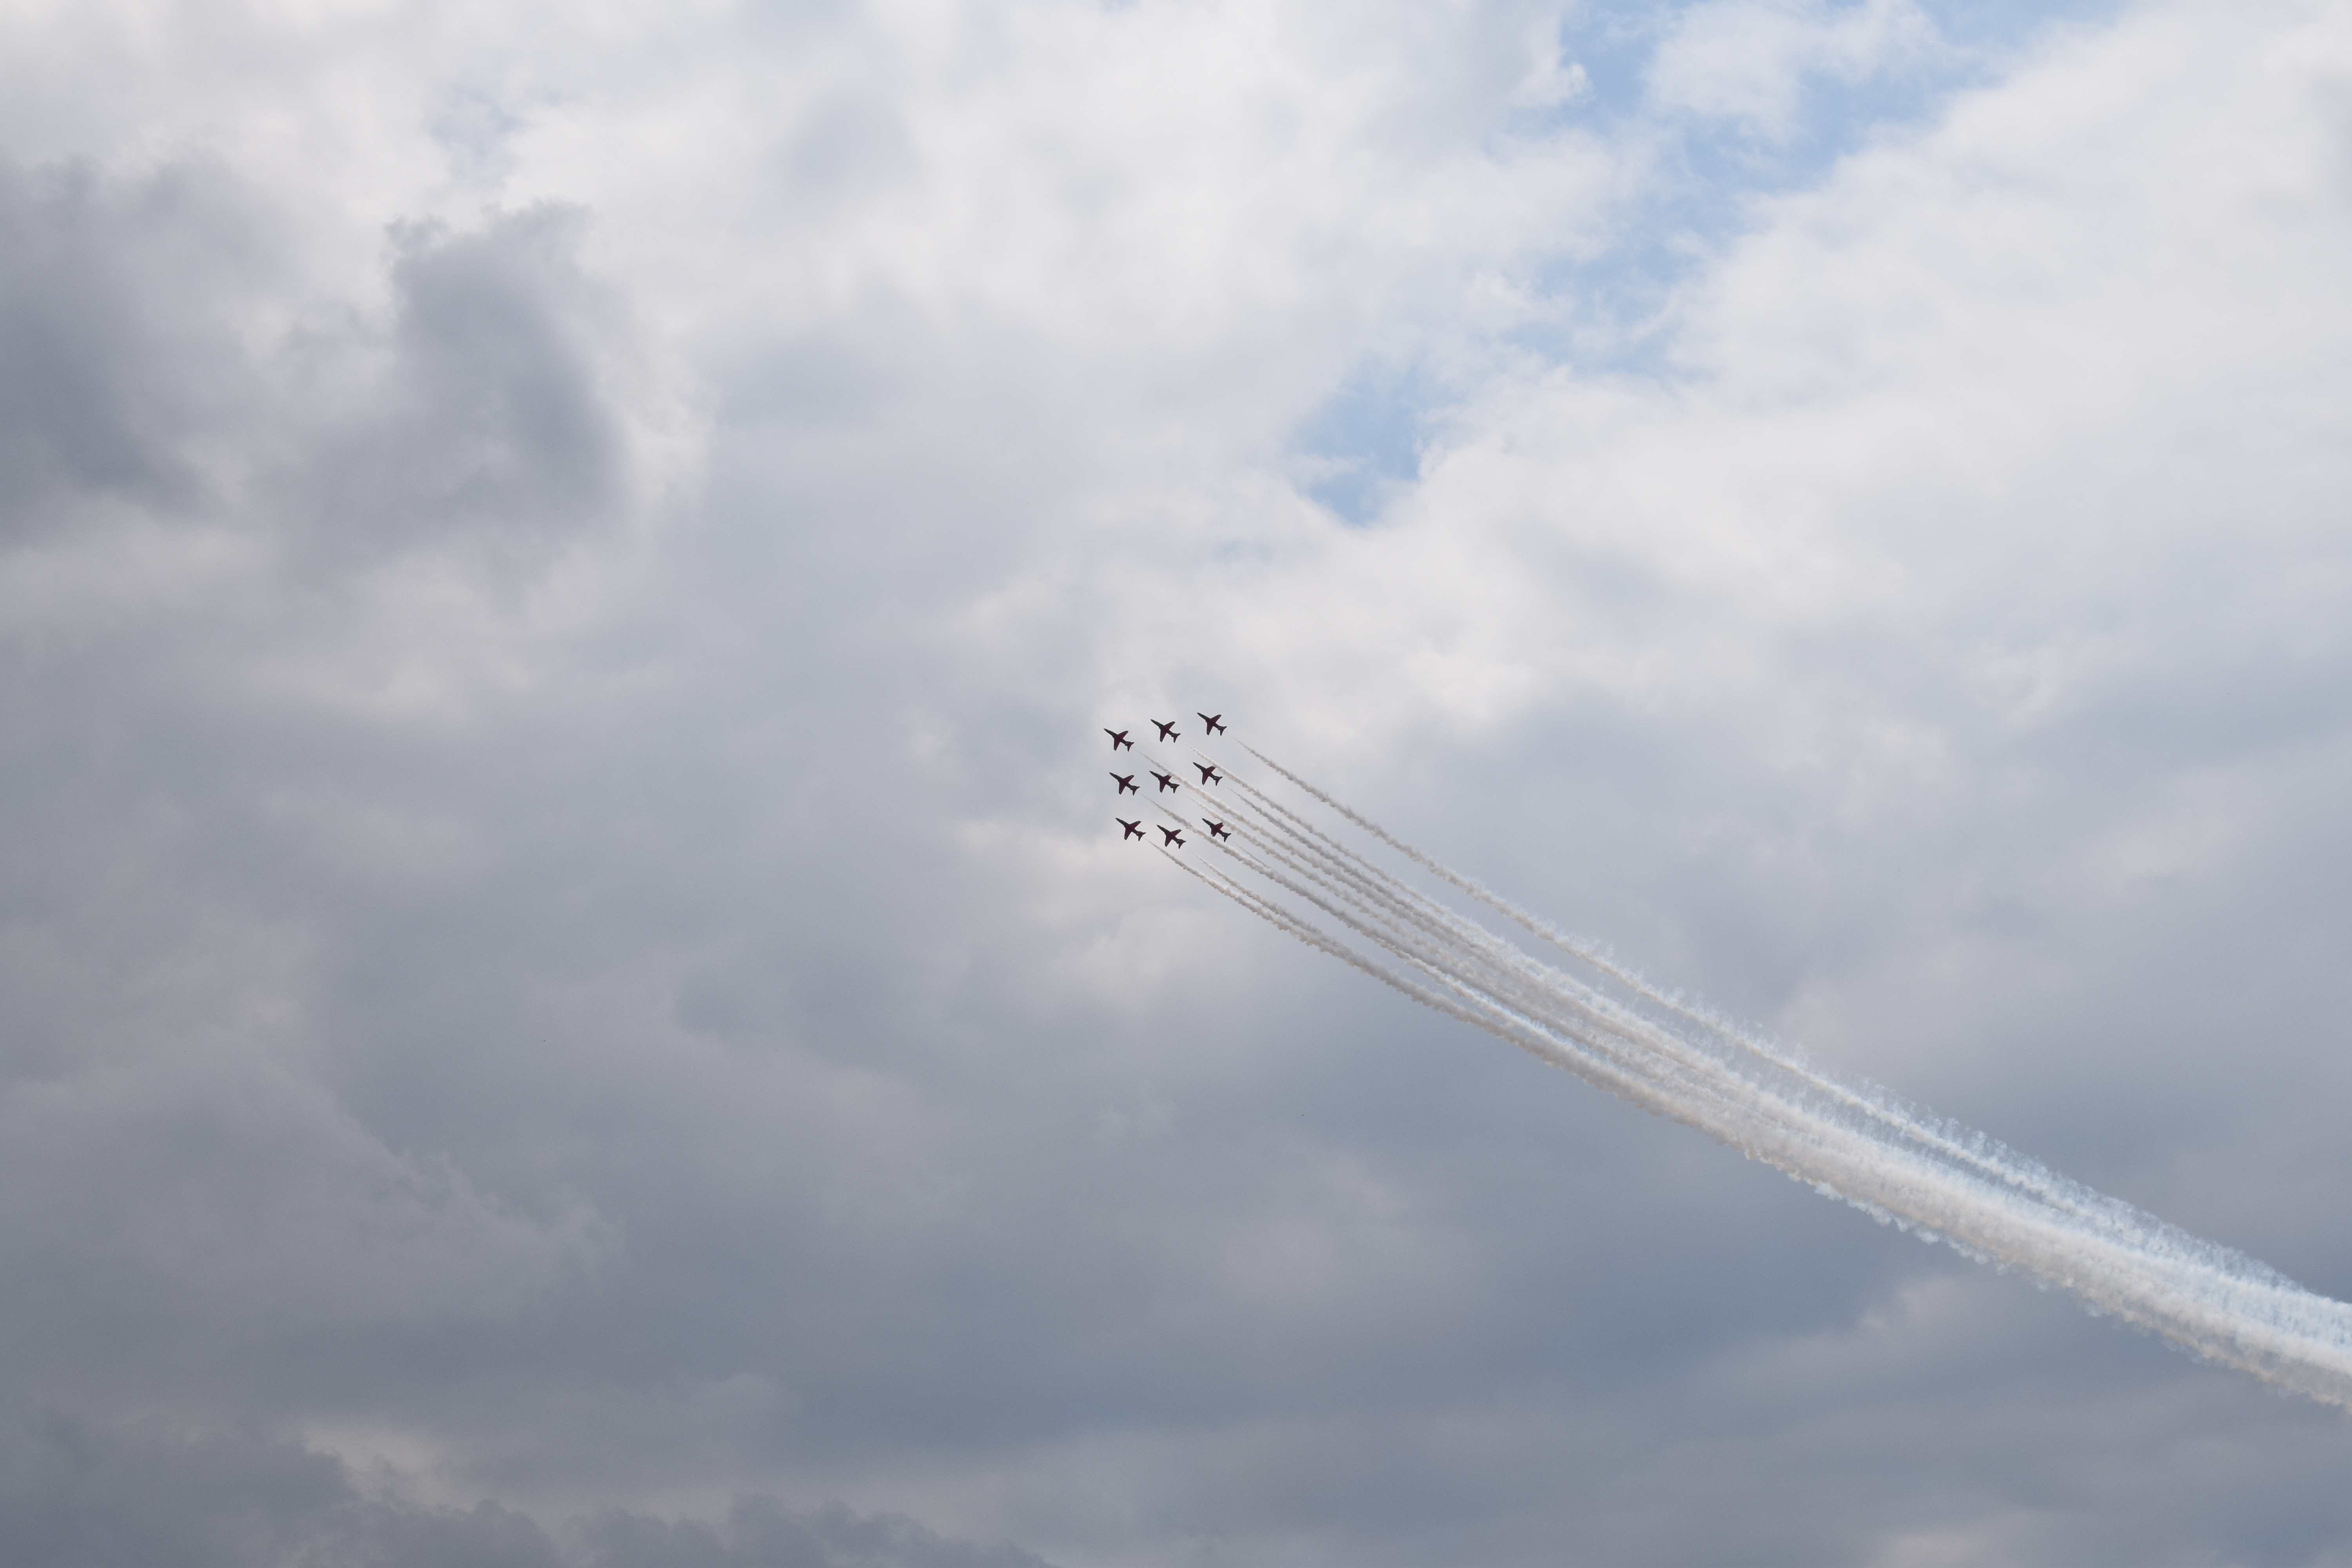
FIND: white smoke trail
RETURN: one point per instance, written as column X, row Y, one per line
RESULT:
column 1972, row 1149
column 1855, row 1143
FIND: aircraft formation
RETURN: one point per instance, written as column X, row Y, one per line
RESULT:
column 1165, row 776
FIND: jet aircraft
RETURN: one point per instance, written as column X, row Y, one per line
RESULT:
column 1171, row 835
column 1134, row 829
column 1218, row 829
column 1210, row 720
column 1117, row 739
column 1127, row 785
column 1167, row 731
column 1167, row 780
column 1208, row 775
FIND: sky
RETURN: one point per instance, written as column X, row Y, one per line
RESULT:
column 568, row 993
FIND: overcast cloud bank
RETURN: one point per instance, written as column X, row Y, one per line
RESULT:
column 564, row 955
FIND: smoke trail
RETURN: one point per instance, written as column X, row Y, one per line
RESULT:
column 1970, row 1148
column 1680, row 1060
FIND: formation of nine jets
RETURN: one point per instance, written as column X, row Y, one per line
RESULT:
column 1127, row 785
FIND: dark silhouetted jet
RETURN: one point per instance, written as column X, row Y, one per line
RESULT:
column 1167, row 780
column 1208, row 775
column 1210, row 720
column 1117, row 739
column 1127, row 784
column 1167, row 731
column 1217, row 829
column 1171, row 835
column 1134, row 829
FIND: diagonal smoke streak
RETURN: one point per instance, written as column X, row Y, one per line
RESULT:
column 1858, row 1144
column 1595, row 1009
column 1584, row 951
column 1564, row 1004
column 1563, row 1019
column 1463, row 1003
column 1626, row 1054
column 1556, row 1028
column 1282, row 920
column 1983, row 1154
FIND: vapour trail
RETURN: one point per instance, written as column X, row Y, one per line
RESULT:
column 1681, row 1062
column 2100, row 1213
column 1969, row 1147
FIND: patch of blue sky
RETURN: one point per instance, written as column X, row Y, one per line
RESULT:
column 1364, row 444
column 1709, row 170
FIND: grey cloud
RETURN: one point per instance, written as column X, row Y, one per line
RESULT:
column 210, row 1205
column 71, row 1493
column 147, row 355
column 74, row 1494
column 109, row 379
column 761, row 1534
column 487, row 424
column 849, row 145
column 179, row 1182
column 689, row 1035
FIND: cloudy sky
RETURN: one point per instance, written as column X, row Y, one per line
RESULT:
column 568, row 993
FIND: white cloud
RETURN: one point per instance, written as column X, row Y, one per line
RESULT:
column 579, row 723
